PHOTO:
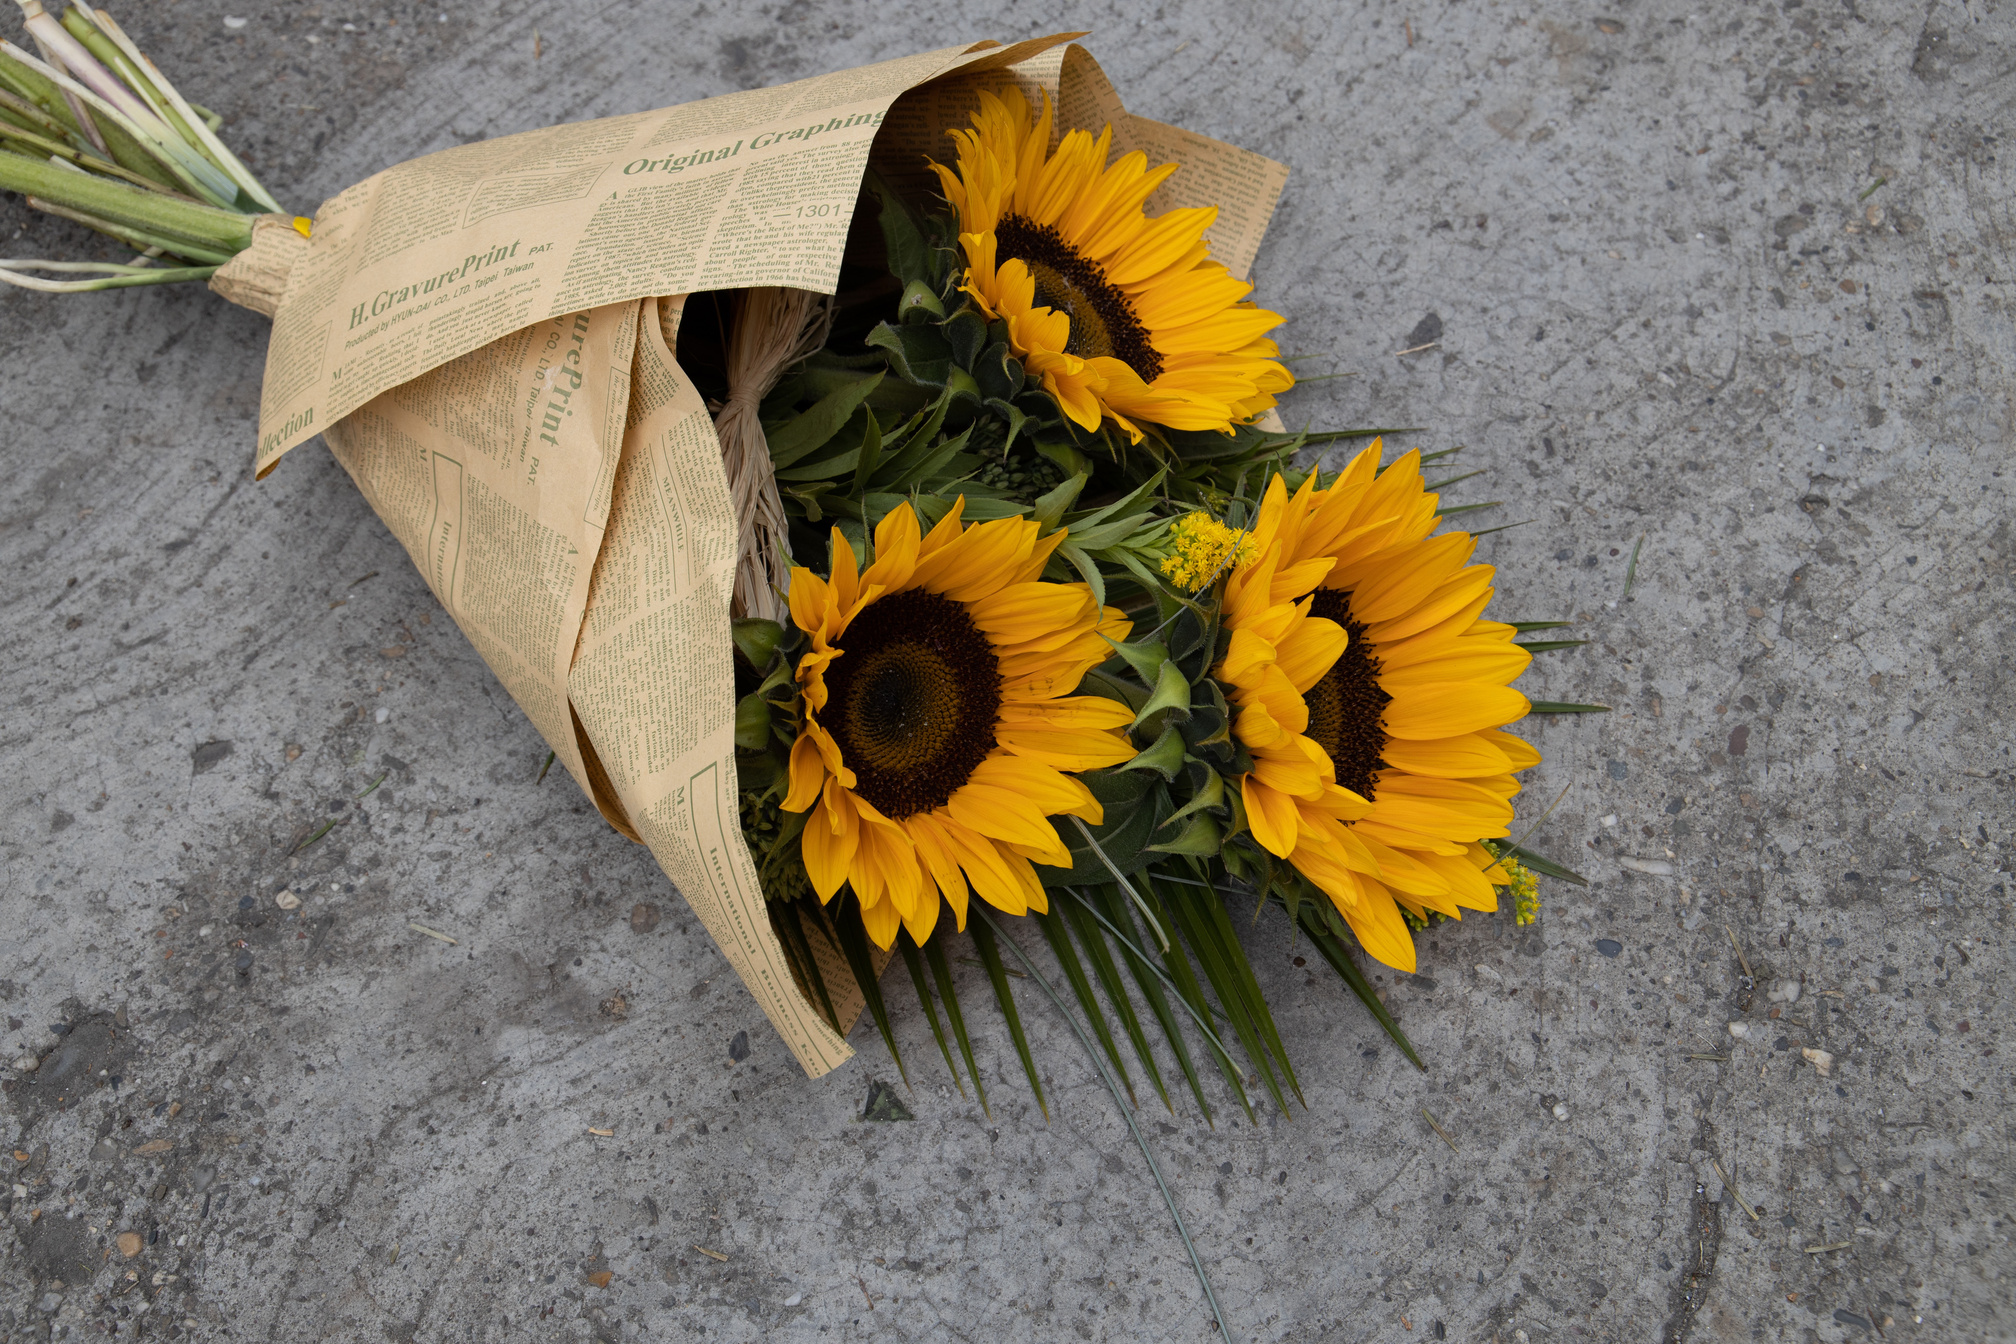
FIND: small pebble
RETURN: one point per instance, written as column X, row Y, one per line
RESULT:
column 287, row 900
column 129, row 1244
column 1609, row 947
column 1785, row 991
column 1650, row 867
column 1821, row 1060
column 1740, row 1030
column 234, row 23
column 381, row 716
column 1560, row 1110
column 1489, row 976
column 794, row 1299
column 27, row 1064
column 1609, row 819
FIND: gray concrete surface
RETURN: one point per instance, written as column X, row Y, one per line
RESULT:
column 1730, row 279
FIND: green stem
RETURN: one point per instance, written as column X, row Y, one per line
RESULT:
column 190, row 221
column 113, row 277
column 138, row 239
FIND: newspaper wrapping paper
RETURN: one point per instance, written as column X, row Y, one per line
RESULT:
column 486, row 338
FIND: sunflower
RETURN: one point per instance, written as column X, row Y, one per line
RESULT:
column 1373, row 698
column 1120, row 315
column 939, row 720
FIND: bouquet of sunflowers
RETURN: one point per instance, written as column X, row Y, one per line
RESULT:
column 1087, row 646
column 990, row 588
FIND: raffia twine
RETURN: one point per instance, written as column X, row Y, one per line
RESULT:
column 774, row 328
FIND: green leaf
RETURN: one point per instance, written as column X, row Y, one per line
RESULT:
column 1522, row 627
column 948, row 993
column 1120, row 917
column 871, row 454
column 1172, row 691
column 1185, row 981
column 815, row 427
column 1216, row 959
column 853, row 939
column 1334, row 951
column 756, row 639
column 982, row 934
column 919, row 304
column 1248, row 987
column 1088, row 570
column 1131, row 800
column 1094, row 942
column 788, row 918
column 1050, row 508
column 1549, row 645
column 1059, row 938
column 1540, row 863
column 1165, row 757
column 914, row 963
column 966, row 332
column 1145, row 659
column 752, row 722
column 1000, row 377
column 918, row 354
column 1203, row 838
column 1209, row 794
column 908, row 257
column 1564, row 707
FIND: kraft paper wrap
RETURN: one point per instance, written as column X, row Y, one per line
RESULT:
column 486, row 337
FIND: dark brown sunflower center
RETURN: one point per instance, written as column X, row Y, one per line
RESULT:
column 913, row 701
column 1103, row 320
column 1346, row 707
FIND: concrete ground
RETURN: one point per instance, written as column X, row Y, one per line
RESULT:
column 1721, row 287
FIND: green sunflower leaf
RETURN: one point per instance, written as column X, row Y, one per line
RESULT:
column 1087, row 568
column 948, row 994
column 1564, row 707
column 752, row 722
column 1050, row 508
column 909, row 259
column 1524, row 627
column 918, row 354
column 982, row 934
column 1172, row 692
column 966, row 332
column 1059, row 938
column 1146, row 659
column 788, row 918
column 1549, row 645
column 756, row 639
column 914, row 963
column 1165, row 757
column 1203, row 837
column 815, row 427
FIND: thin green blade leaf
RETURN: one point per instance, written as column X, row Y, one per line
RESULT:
column 1185, row 980
column 1196, row 927
column 1549, row 645
column 1333, row 951
column 1059, row 938
column 948, row 994
column 990, row 956
column 1147, row 976
column 1116, row 993
column 1565, row 707
column 1540, row 863
column 853, row 940
column 914, row 963
column 1249, row 988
